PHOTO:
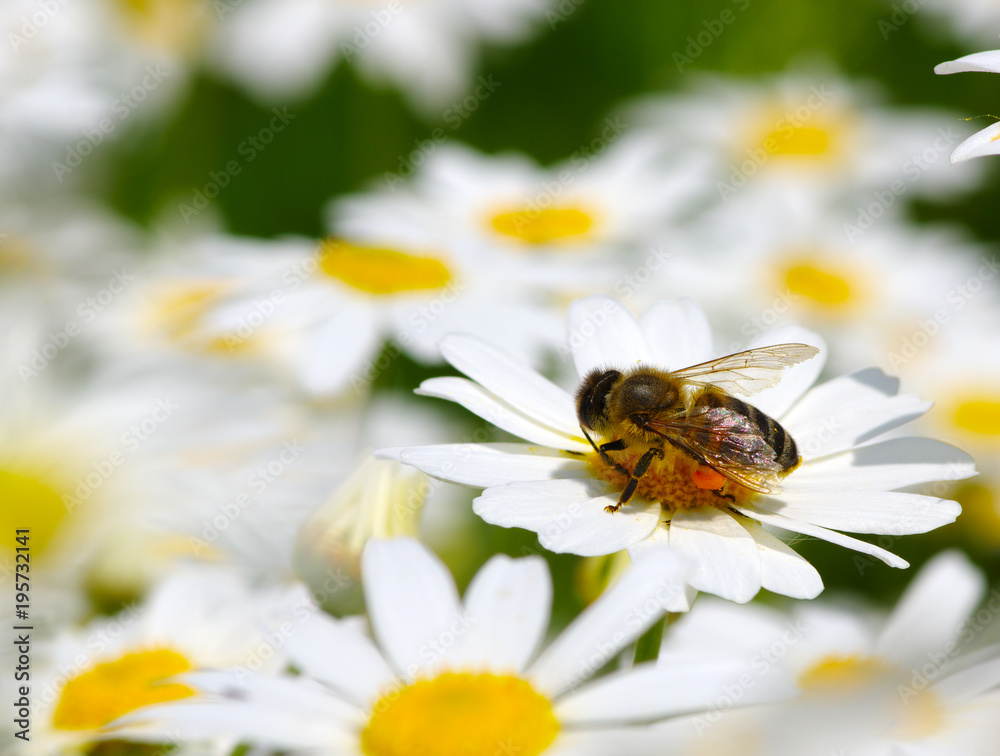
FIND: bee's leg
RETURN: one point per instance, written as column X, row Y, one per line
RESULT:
column 728, row 497
column 640, row 469
column 603, row 450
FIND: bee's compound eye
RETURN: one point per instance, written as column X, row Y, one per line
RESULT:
column 592, row 397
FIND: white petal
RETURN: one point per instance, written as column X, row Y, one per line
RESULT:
column 797, row 379
column 412, row 602
column 569, row 515
column 678, row 333
column 883, row 466
column 796, row 526
column 848, row 411
column 929, row 617
column 512, row 382
column 339, row 656
column 507, row 609
column 338, row 351
column 782, row 569
column 683, row 599
column 602, row 333
column 988, row 61
column 980, row 144
column 722, row 557
column 278, row 729
column 622, row 613
column 888, row 512
column 973, row 681
column 476, row 399
column 485, row 465
column 677, row 686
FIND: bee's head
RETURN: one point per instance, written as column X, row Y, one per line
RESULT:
column 592, row 398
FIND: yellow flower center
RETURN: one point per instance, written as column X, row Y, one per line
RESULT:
column 554, row 224
column 461, row 715
column 841, row 674
column 821, row 285
column 377, row 270
column 676, row 481
column 29, row 502
column 175, row 26
column 113, row 689
column 979, row 414
column 808, row 141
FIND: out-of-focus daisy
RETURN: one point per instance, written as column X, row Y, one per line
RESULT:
column 205, row 618
column 62, row 264
column 592, row 208
column 806, row 131
column 870, row 286
column 976, row 21
column 74, row 76
column 280, row 49
column 556, row 486
column 319, row 315
column 446, row 676
column 982, row 142
column 908, row 683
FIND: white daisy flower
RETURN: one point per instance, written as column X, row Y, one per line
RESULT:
column 605, row 199
column 976, row 21
column 907, row 683
column 871, row 286
column 556, row 485
column 280, row 49
column 806, row 132
column 446, row 676
column 319, row 315
column 205, row 618
column 982, row 142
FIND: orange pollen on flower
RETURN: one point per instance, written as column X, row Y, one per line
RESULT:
column 377, row 270
column 553, row 224
column 112, row 689
column 677, row 481
column 461, row 714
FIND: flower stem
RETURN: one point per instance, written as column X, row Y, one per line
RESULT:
column 647, row 647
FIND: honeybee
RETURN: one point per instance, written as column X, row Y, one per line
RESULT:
column 641, row 410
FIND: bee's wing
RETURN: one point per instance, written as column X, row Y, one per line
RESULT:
column 726, row 442
column 748, row 372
